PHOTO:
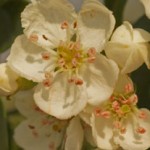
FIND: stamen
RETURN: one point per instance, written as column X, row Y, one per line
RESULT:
column 123, row 130
column 115, row 105
column 74, row 62
column 133, row 99
column 47, row 82
column 33, row 38
column 61, row 62
column 140, row 130
column 92, row 51
column 105, row 114
column 91, row 59
column 78, row 82
column 64, row 25
column 117, row 124
column 128, row 88
column 142, row 115
column 46, row 55
column 97, row 112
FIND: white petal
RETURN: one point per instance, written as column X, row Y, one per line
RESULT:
column 25, row 104
column 140, row 36
column 45, row 18
column 123, row 34
column 33, row 135
column 62, row 100
column 102, row 132
column 8, row 80
column 26, row 59
column 128, row 57
column 98, row 82
column 146, row 4
column 95, row 24
column 74, row 135
column 134, row 61
column 131, row 139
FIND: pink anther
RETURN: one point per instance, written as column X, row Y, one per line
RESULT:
column 105, row 114
column 97, row 112
column 78, row 81
column 33, row 38
column 128, row 88
column 64, row 25
column 46, row 55
column 47, row 82
column 140, row 130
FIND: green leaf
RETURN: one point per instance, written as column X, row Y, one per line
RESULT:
column 117, row 6
column 3, row 129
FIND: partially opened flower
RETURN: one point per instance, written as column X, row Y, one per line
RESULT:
column 61, row 52
column 42, row 131
column 118, row 122
column 8, row 80
column 129, row 47
column 146, row 4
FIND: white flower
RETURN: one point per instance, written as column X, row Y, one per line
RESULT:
column 146, row 4
column 61, row 52
column 8, row 80
column 129, row 47
column 43, row 132
column 118, row 122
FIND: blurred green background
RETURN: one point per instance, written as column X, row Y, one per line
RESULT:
column 10, row 27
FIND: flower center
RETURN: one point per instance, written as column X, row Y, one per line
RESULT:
column 119, row 107
column 70, row 55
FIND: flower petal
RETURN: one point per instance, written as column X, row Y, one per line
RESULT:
column 25, row 104
column 26, row 59
column 95, row 24
column 98, row 82
column 32, row 134
column 133, row 140
column 123, row 34
column 102, row 132
column 74, row 133
column 43, row 20
column 8, row 80
column 146, row 4
column 63, row 99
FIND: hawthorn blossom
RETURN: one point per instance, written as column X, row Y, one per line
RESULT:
column 60, row 51
column 42, row 131
column 146, row 4
column 129, row 47
column 118, row 122
column 8, row 80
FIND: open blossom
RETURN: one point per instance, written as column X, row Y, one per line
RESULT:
column 42, row 131
column 146, row 4
column 129, row 47
column 8, row 80
column 118, row 122
column 60, row 51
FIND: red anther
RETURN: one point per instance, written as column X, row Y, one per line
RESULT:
column 92, row 51
column 64, row 25
column 123, row 130
column 33, row 38
column 97, row 112
column 140, row 130
column 47, row 82
column 133, row 99
column 71, row 80
column 61, row 62
column 128, row 88
column 142, row 115
column 78, row 82
column 91, row 59
column 117, row 124
column 46, row 55
column 105, row 114
column 115, row 105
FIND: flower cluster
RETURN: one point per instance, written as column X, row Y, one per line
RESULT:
column 68, row 73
